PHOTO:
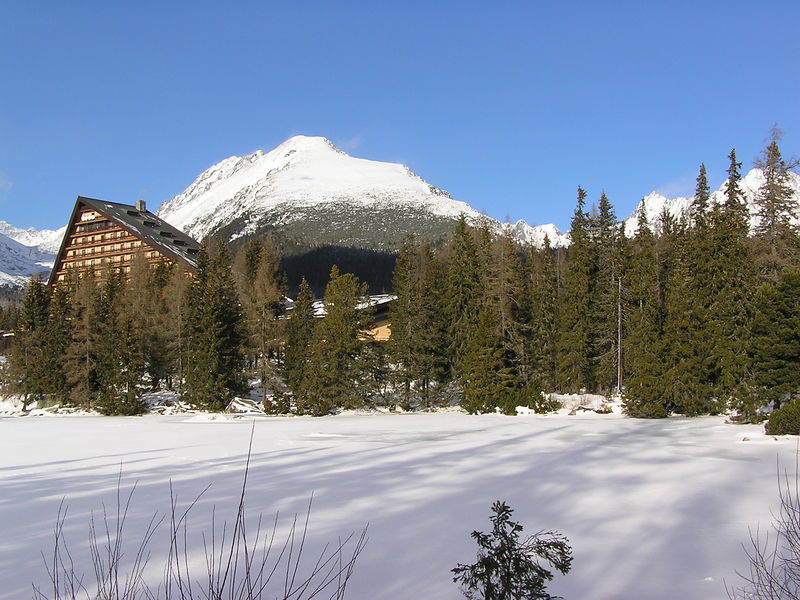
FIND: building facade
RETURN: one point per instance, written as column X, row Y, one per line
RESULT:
column 102, row 235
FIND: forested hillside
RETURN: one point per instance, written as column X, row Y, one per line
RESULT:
column 690, row 316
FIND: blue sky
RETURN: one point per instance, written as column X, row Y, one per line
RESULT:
column 508, row 105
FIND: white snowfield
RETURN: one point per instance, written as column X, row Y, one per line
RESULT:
column 655, row 510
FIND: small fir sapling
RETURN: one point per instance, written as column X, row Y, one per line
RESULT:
column 510, row 569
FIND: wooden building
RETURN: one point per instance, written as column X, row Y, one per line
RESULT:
column 104, row 235
column 380, row 327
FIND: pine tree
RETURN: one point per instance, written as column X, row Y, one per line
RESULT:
column 299, row 333
column 573, row 369
column 214, row 326
column 334, row 371
column 777, row 242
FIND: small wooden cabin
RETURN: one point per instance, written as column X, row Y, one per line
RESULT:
column 104, row 234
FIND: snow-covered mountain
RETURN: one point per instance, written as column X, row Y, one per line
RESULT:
column 45, row 240
column 309, row 190
column 24, row 252
column 654, row 203
column 18, row 262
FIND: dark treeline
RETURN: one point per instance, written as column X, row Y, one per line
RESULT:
column 692, row 316
column 373, row 267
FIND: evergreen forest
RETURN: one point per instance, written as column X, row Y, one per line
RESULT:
column 697, row 315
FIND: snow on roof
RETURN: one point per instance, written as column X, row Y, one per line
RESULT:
column 374, row 300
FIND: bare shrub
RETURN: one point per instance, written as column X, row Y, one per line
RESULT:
column 240, row 564
column 774, row 560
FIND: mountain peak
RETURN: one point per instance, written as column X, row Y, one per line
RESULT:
column 296, row 180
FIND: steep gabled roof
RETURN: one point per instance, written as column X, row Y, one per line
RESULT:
column 152, row 230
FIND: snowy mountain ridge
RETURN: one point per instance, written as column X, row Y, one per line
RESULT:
column 19, row 261
column 306, row 175
column 655, row 203
column 309, row 189
column 45, row 240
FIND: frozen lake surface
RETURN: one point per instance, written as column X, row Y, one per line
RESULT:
column 653, row 509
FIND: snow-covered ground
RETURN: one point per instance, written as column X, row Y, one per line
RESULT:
column 653, row 509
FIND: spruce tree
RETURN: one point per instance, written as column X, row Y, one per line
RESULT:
column 334, row 374
column 604, row 299
column 118, row 361
column 543, row 286
column 699, row 206
column 687, row 272
column 404, row 341
column 57, row 337
column 573, row 368
column 643, row 361
column 775, row 342
column 486, row 379
column 463, row 290
column 417, row 348
column 174, row 323
column 728, row 288
column 29, row 360
column 777, row 244
column 431, row 357
column 684, row 388
column 160, row 345
column 214, row 327
column 139, row 308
